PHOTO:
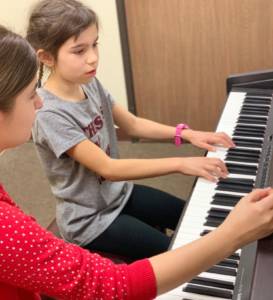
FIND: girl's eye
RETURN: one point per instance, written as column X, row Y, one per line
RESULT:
column 81, row 51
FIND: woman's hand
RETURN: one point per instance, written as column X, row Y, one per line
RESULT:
column 251, row 219
column 206, row 167
column 206, row 140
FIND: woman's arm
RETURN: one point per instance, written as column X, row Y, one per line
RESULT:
column 95, row 159
column 143, row 128
column 33, row 259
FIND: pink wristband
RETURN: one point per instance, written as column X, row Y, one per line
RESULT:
column 177, row 138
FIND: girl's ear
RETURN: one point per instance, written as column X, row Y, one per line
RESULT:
column 46, row 58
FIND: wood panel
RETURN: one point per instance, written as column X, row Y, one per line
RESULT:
column 183, row 50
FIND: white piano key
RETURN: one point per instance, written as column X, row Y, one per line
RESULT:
column 181, row 295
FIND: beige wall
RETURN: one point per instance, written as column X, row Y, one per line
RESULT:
column 14, row 14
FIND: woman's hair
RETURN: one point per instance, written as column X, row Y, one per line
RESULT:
column 18, row 67
column 51, row 23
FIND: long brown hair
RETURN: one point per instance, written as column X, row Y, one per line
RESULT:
column 51, row 23
column 18, row 66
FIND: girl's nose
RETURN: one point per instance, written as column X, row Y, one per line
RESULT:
column 92, row 57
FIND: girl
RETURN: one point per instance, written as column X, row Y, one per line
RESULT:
column 33, row 261
column 75, row 137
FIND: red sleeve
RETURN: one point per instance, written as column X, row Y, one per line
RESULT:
column 34, row 259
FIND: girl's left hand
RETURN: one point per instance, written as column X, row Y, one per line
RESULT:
column 206, row 140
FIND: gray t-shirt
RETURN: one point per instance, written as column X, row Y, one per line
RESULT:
column 86, row 203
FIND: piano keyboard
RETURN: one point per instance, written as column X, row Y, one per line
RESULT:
column 245, row 119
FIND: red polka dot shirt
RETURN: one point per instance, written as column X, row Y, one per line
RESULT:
column 34, row 262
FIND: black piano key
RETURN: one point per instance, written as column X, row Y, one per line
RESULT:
column 251, row 110
column 213, row 221
column 239, row 181
column 256, row 143
column 235, row 185
column 204, row 232
column 232, row 188
column 254, row 128
column 208, row 291
column 245, row 152
column 240, row 158
column 258, row 131
column 225, row 199
column 241, row 169
column 252, row 120
column 256, row 107
column 245, row 133
column 248, row 100
column 222, row 271
column 213, row 282
column 235, row 256
column 228, row 263
column 218, row 212
column 263, row 95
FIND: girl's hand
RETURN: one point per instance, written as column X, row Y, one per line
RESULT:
column 206, row 167
column 251, row 219
column 205, row 140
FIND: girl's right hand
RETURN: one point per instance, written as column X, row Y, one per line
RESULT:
column 206, row 167
column 251, row 218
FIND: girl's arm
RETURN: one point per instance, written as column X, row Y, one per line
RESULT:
column 251, row 219
column 143, row 128
column 95, row 159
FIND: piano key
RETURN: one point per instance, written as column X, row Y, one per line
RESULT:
column 229, row 263
column 241, row 169
column 232, row 187
column 255, row 108
column 253, row 128
column 251, row 120
column 257, row 101
column 192, row 288
column 241, row 154
column 213, row 222
column 219, row 211
column 224, row 199
column 247, row 133
column 222, row 270
column 180, row 295
column 253, row 112
column 240, row 158
column 254, row 143
column 213, row 282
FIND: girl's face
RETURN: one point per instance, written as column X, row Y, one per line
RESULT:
column 15, row 125
column 77, row 59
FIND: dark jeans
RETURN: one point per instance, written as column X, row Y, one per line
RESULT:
column 135, row 232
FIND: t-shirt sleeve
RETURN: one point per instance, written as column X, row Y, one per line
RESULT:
column 56, row 132
column 33, row 259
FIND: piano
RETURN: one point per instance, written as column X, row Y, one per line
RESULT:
column 248, row 273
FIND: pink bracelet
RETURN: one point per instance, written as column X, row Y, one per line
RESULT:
column 177, row 138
